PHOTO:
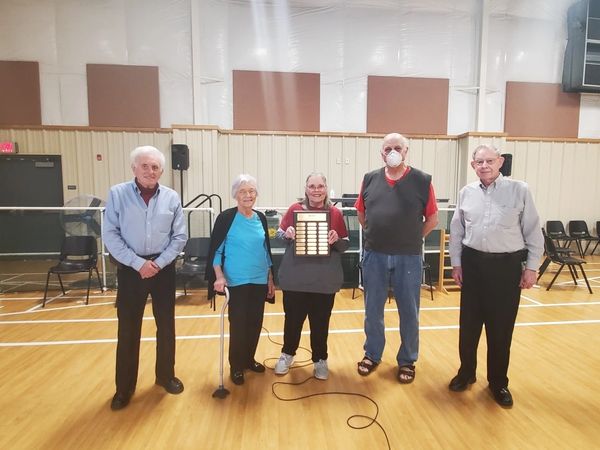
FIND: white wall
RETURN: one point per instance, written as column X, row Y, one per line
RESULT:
column 65, row 35
column 197, row 44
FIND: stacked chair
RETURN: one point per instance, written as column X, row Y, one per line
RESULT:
column 578, row 232
column 563, row 258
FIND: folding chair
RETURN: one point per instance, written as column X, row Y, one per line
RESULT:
column 195, row 256
column 578, row 231
column 556, row 230
column 77, row 254
column 562, row 260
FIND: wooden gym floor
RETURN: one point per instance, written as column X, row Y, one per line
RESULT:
column 57, row 367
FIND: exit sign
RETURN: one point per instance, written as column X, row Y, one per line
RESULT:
column 7, row 147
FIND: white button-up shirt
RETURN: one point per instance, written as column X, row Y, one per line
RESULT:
column 501, row 218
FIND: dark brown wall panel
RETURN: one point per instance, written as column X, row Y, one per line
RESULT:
column 540, row 110
column 407, row 105
column 20, row 93
column 276, row 101
column 123, row 96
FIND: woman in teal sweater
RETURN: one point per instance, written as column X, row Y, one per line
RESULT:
column 240, row 258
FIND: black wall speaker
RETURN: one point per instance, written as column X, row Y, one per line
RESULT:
column 506, row 168
column 581, row 72
column 180, row 156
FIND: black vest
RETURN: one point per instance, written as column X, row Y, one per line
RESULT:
column 394, row 214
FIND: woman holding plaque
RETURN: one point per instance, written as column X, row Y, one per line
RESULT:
column 239, row 257
column 311, row 272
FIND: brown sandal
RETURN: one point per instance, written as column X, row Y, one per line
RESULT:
column 406, row 374
column 366, row 366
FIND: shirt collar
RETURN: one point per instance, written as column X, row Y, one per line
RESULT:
column 498, row 181
column 142, row 190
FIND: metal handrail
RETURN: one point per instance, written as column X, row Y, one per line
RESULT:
column 208, row 198
column 196, row 198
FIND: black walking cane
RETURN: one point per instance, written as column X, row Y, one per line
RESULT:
column 221, row 392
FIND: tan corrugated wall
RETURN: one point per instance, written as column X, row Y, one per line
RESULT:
column 79, row 149
column 562, row 174
column 281, row 162
column 563, row 177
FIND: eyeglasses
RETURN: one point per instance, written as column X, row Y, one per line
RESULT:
column 316, row 187
column 387, row 150
column 244, row 192
column 489, row 162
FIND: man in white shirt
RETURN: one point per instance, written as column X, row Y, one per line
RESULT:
column 496, row 244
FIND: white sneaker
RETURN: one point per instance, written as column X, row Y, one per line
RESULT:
column 321, row 370
column 283, row 365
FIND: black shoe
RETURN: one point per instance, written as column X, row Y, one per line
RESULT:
column 172, row 386
column 459, row 384
column 119, row 401
column 255, row 366
column 237, row 376
column 502, row 396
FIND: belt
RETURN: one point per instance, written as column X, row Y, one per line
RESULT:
column 123, row 266
column 488, row 255
column 150, row 257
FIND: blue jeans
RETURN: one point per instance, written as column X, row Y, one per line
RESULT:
column 403, row 274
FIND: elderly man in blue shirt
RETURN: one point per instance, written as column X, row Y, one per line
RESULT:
column 144, row 231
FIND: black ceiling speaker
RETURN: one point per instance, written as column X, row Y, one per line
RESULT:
column 180, row 156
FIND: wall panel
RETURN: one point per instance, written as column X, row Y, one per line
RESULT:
column 541, row 109
column 419, row 105
column 265, row 100
column 123, row 96
column 20, row 93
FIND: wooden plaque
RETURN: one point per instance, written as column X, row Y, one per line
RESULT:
column 312, row 228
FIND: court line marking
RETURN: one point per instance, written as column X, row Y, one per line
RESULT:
column 60, row 308
column 11, row 278
column 580, row 282
column 267, row 314
column 24, row 273
column 67, row 297
column 15, row 286
column 14, row 299
column 278, row 333
column 531, row 300
column 39, row 305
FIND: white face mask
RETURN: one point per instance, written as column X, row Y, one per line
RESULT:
column 393, row 159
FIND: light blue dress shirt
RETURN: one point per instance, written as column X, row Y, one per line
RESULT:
column 133, row 229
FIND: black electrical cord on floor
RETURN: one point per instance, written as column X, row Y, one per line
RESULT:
column 297, row 364
column 304, row 363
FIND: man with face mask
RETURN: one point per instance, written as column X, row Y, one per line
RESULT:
column 397, row 209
